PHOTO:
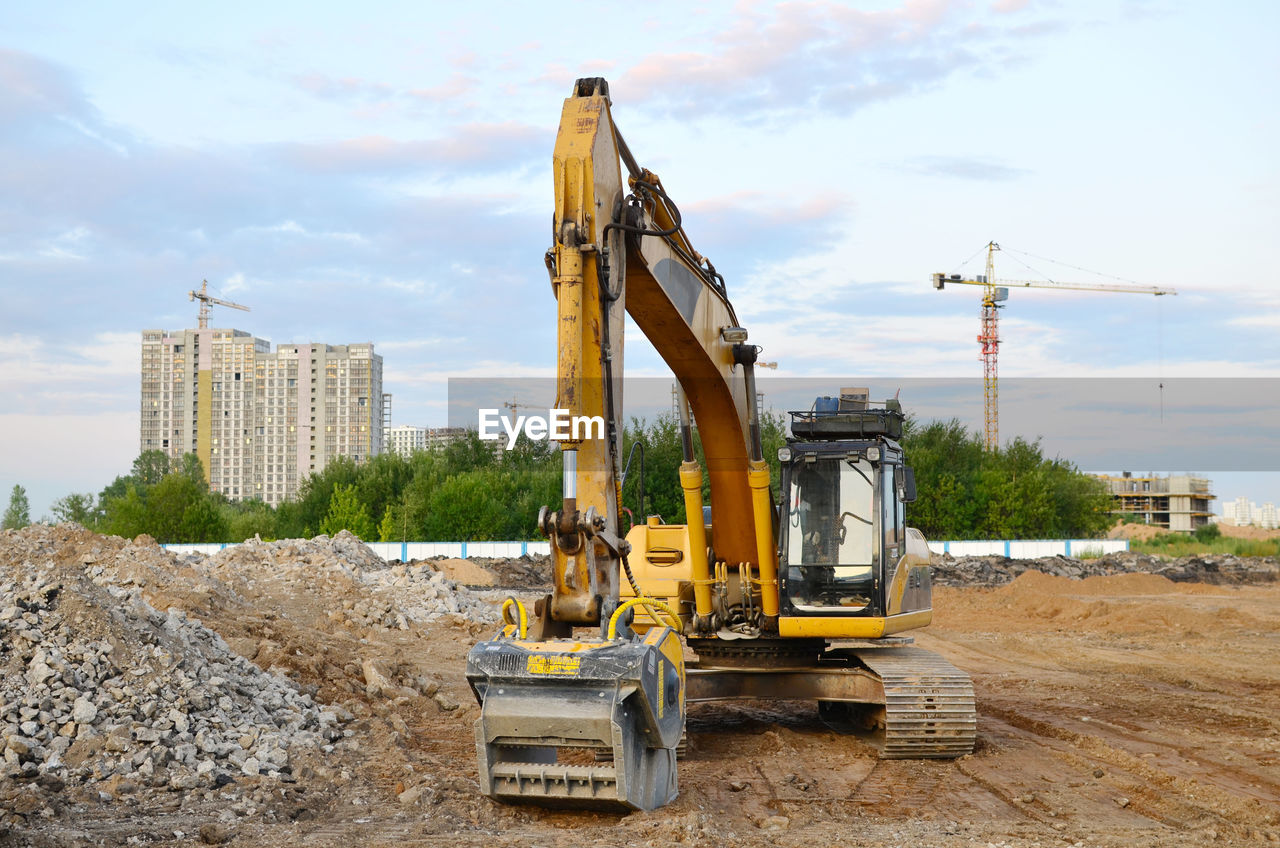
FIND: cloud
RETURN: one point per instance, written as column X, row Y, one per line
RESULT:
column 774, row 62
column 474, row 147
column 55, row 377
column 317, row 239
column 30, row 86
column 738, row 230
column 964, row 168
column 457, row 85
column 346, row 88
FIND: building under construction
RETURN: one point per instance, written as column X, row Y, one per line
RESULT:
column 1177, row 502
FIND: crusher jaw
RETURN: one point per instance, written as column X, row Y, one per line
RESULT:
column 579, row 723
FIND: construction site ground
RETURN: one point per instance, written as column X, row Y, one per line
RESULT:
column 1117, row 709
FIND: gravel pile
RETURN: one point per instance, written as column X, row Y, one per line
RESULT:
column 96, row 683
column 996, row 570
column 366, row 590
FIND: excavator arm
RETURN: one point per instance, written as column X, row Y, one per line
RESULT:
column 622, row 247
column 543, row 689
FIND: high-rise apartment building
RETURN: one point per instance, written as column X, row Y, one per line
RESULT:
column 259, row 421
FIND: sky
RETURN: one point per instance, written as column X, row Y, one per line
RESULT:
column 383, row 174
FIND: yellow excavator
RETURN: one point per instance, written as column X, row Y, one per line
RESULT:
column 583, row 698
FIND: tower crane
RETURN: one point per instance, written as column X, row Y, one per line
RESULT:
column 206, row 300
column 989, row 338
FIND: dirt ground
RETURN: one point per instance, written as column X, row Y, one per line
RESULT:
column 1147, row 531
column 1112, row 711
column 1248, row 532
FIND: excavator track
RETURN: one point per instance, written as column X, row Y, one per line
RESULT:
column 929, row 710
column 916, row 704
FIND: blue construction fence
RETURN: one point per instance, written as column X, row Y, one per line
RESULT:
column 1013, row 548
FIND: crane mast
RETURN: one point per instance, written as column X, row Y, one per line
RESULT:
column 989, row 336
column 206, row 300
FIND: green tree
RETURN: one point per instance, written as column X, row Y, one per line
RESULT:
column 18, row 515
column 965, row 492
column 346, row 512
column 315, row 495
column 191, row 467
column 381, row 481
column 661, row 471
column 469, row 453
column 389, row 530
column 151, row 466
column 125, row 515
column 180, row 509
column 247, row 519
column 467, row 506
column 77, row 508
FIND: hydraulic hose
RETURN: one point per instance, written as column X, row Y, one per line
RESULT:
column 522, row 617
column 653, row 604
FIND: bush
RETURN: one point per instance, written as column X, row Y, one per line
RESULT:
column 1207, row 532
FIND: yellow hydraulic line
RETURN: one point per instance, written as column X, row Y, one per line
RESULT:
column 691, row 482
column 758, row 479
column 652, row 603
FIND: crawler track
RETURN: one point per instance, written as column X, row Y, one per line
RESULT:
column 929, row 711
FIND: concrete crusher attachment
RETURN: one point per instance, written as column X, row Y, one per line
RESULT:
column 568, row 723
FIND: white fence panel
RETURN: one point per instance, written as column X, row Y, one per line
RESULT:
column 1030, row 548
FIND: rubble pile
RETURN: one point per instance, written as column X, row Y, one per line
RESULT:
column 96, row 684
column 530, row 571
column 363, row 588
column 423, row 594
column 998, row 570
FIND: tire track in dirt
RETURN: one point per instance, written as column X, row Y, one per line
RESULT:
column 1178, row 802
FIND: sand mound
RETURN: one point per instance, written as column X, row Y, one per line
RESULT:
column 1110, row 585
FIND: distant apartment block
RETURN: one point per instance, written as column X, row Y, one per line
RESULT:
column 260, row 421
column 1243, row 513
column 1178, row 502
column 440, row 437
column 406, row 439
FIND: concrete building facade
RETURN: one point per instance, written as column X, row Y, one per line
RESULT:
column 1180, row 502
column 260, row 421
column 406, row 439
column 440, row 437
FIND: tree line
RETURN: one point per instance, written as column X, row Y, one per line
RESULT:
column 467, row 491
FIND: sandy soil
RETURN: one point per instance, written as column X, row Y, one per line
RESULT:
column 1248, row 532
column 1113, row 711
column 1147, row 531
column 1134, row 531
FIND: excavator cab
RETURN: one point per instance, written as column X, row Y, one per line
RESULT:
column 844, row 523
column 844, row 551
